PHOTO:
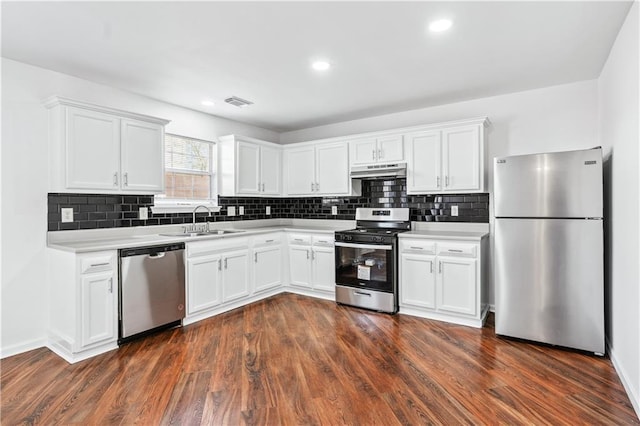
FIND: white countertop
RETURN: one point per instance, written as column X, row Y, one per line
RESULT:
column 113, row 239
column 118, row 238
column 445, row 235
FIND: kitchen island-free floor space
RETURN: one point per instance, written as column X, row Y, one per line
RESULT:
column 291, row 359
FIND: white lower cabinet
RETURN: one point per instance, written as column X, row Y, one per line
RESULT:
column 203, row 275
column 443, row 280
column 235, row 275
column 83, row 309
column 312, row 262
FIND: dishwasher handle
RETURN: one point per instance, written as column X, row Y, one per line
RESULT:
column 159, row 255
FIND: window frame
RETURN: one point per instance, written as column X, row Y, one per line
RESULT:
column 186, row 205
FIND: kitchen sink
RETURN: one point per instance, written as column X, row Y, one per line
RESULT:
column 200, row 234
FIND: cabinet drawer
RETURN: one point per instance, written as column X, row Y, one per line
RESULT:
column 323, row 241
column 300, row 239
column 200, row 248
column 267, row 240
column 457, row 249
column 97, row 263
column 417, row 246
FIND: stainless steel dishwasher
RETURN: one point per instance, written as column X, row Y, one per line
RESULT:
column 152, row 292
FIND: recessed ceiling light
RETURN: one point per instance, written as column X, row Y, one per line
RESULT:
column 440, row 25
column 321, row 65
column 207, row 103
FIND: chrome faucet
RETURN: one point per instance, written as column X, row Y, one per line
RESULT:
column 193, row 224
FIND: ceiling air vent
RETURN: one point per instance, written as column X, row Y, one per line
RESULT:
column 239, row 102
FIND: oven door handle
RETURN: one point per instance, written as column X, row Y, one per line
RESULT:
column 365, row 246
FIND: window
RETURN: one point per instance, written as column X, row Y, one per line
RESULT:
column 190, row 174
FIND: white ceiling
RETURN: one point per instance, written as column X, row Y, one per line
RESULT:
column 383, row 58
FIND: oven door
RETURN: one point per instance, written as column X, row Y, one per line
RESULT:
column 368, row 266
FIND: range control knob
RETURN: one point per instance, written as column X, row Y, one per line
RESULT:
column 379, row 239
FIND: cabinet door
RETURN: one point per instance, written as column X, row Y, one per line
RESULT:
column 98, row 323
column 142, row 156
column 92, row 150
column 267, row 267
column 248, row 168
column 456, row 285
column 300, row 170
column 417, row 280
column 324, row 269
column 461, row 159
column 363, row 151
column 332, row 169
column 235, row 270
column 270, row 169
column 203, row 283
column 423, row 154
column 390, row 148
column 300, row 266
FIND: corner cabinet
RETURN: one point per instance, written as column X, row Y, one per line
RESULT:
column 318, row 170
column 312, row 264
column 83, row 303
column 94, row 148
column 447, row 159
column 444, row 279
column 249, row 167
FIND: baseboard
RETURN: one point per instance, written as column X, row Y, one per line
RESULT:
column 22, row 347
column 635, row 399
column 492, row 308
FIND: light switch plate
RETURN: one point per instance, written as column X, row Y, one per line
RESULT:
column 334, row 210
column 241, row 210
column 143, row 213
column 67, row 214
column 454, row 210
column 268, row 210
column 231, row 211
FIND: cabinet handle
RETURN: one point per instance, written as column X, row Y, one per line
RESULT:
column 440, row 267
column 263, row 187
column 446, row 181
column 311, row 186
column 373, row 154
column 380, row 153
column 94, row 265
column 297, row 239
column 126, row 179
column 225, row 263
column 115, row 179
column 255, row 257
column 219, row 264
column 110, row 285
column 431, row 267
column 307, row 254
column 416, row 248
column 268, row 241
column 437, row 181
column 317, row 186
column 313, row 255
column 455, row 250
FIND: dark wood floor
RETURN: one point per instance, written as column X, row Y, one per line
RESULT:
column 292, row 359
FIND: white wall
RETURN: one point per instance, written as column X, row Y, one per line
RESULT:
column 24, row 182
column 620, row 135
column 556, row 118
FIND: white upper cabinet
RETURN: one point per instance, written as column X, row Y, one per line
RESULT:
column 249, row 167
column 450, row 159
column 101, row 149
column 376, row 149
column 317, row 170
column 140, row 150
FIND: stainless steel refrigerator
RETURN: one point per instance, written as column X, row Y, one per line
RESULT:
column 549, row 254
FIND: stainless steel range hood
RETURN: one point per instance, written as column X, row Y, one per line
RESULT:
column 374, row 171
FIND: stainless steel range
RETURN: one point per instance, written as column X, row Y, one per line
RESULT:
column 367, row 259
